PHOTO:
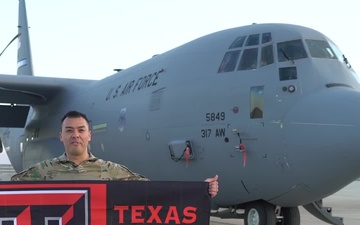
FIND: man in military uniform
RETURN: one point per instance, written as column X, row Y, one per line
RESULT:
column 77, row 163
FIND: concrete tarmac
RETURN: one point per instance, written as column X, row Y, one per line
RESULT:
column 345, row 203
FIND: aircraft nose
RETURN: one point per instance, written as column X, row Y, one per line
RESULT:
column 322, row 138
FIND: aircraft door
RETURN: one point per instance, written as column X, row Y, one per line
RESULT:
column 265, row 133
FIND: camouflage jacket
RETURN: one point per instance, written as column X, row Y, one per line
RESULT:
column 61, row 168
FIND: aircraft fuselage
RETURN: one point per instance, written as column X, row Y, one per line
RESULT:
column 295, row 116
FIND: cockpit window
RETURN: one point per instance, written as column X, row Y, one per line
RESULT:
column 267, row 55
column 266, row 37
column 291, row 50
column 229, row 61
column 238, row 43
column 248, row 59
column 336, row 50
column 253, row 40
column 245, row 51
column 320, row 49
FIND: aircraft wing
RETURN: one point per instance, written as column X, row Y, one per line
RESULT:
column 17, row 93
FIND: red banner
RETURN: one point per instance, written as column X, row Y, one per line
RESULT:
column 104, row 202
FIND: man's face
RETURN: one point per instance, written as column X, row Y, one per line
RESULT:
column 75, row 135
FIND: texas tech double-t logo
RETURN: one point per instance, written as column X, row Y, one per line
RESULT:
column 46, row 207
column 48, row 204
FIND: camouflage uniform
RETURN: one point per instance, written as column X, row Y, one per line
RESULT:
column 61, row 168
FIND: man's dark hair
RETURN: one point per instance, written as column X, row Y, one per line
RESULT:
column 74, row 114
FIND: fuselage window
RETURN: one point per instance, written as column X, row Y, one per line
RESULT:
column 229, row 61
column 238, row 43
column 267, row 56
column 249, row 59
column 253, row 40
column 256, row 102
column 291, row 50
column 266, row 37
column 320, row 49
column 287, row 73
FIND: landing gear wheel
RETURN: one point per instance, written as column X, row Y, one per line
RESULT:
column 291, row 216
column 260, row 213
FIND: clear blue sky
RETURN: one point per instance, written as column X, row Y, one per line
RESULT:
column 89, row 38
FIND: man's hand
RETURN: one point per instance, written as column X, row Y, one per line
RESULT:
column 213, row 185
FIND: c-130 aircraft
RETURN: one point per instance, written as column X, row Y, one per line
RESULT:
column 271, row 108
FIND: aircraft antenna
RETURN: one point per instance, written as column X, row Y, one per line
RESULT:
column 16, row 36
